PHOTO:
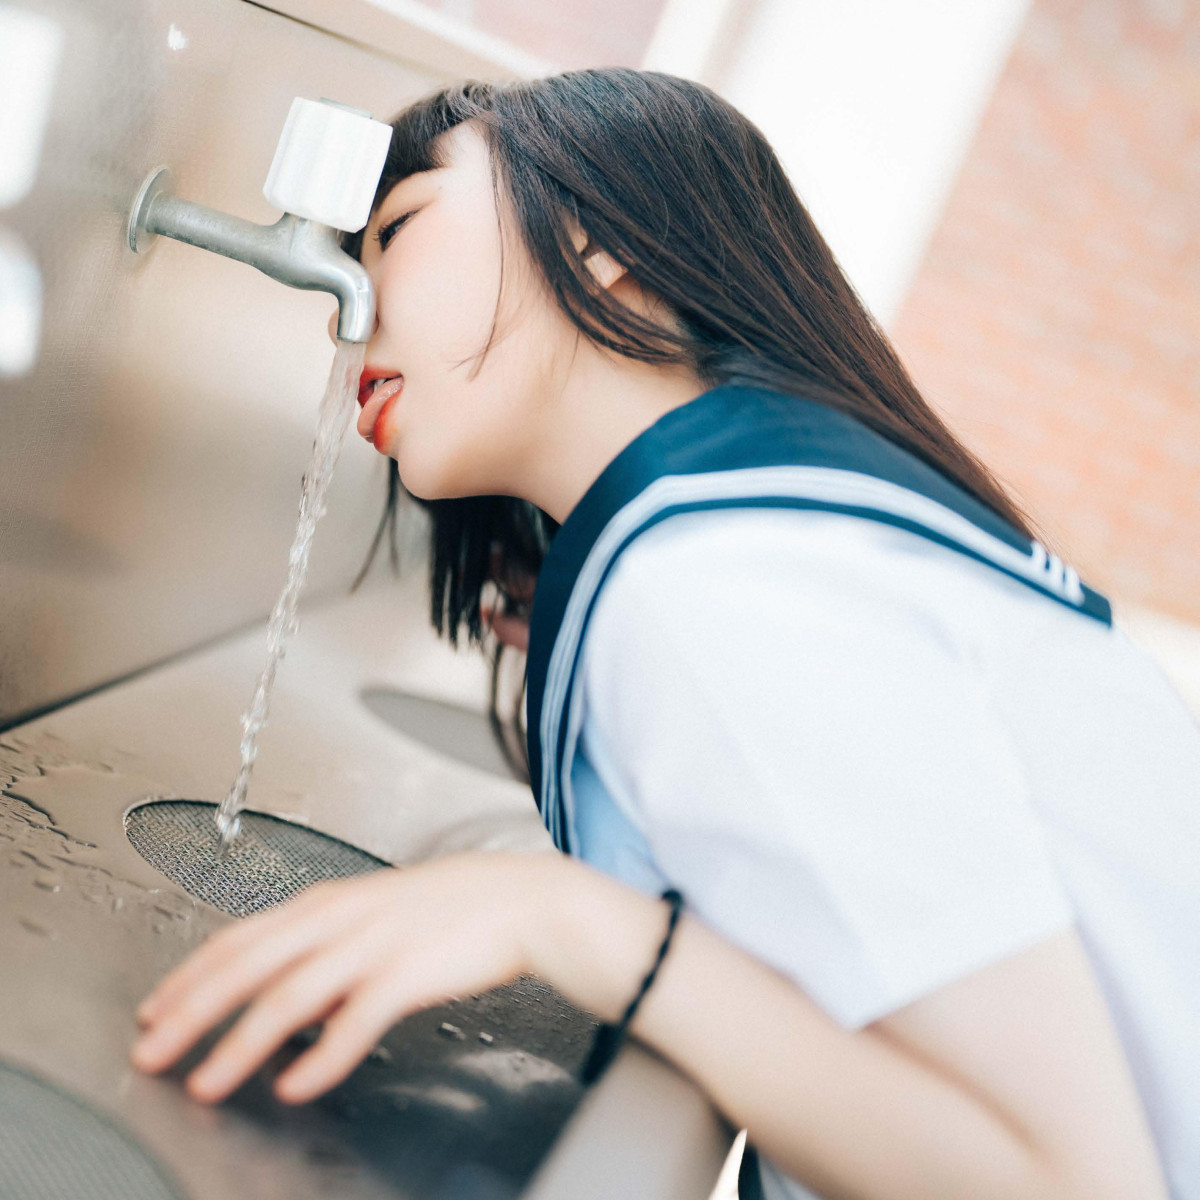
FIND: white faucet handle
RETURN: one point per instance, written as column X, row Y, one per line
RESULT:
column 327, row 164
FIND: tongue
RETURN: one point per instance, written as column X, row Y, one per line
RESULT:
column 371, row 410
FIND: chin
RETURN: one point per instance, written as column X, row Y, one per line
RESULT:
column 415, row 487
column 421, row 478
column 441, row 467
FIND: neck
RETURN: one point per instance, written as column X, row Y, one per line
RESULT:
column 605, row 403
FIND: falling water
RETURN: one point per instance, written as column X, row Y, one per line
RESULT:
column 333, row 419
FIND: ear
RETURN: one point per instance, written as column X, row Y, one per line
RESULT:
column 604, row 268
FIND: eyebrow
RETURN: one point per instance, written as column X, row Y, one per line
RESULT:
column 421, row 174
column 415, row 175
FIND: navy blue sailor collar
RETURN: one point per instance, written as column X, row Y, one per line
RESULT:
column 745, row 446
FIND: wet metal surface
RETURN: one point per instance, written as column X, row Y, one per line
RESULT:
column 462, row 1100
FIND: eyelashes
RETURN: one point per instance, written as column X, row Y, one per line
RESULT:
column 385, row 233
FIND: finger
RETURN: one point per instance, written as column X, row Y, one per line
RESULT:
column 217, row 1078
column 368, row 1013
column 512, row 631
column 216, row 950
column 519, row 583
column 196, row 966
column 295, row 917
column 220, row 983
column 300, row 996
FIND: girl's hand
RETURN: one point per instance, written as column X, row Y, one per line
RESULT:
column 359, row 954
column 508, row 619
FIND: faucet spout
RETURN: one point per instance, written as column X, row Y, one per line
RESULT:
column 298, row 252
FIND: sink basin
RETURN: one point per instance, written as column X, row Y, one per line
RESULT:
column 461, row 1099
column 476, row 1098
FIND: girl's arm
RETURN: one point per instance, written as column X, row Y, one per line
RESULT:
column 958, row 1102
column 1010, row 1084
column 794, row 717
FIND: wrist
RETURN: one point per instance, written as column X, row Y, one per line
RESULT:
column 596, row 938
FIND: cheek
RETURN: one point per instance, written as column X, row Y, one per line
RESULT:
column 438, row 294
column 457, row 441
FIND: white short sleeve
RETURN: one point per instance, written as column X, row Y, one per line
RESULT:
column 811, row 756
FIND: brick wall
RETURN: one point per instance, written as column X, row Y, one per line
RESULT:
column 1055, row 320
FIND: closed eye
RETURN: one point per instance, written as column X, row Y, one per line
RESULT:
column 385, row 233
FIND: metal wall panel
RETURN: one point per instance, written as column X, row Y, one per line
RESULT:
column 150, row 464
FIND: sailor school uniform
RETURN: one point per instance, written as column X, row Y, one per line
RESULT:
column 875, row 735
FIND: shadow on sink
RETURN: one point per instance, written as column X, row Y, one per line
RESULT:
column 456, row 732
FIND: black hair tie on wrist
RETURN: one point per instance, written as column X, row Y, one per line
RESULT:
column 610, row 1038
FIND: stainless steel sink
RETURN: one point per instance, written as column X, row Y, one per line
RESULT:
column 460, row 1100
column 473, row 1099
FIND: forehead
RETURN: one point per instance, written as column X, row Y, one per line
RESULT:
column 463, row 161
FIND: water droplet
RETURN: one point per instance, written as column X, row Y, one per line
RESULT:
column 36, row 927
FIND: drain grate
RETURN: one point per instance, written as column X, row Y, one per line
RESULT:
column 53, row 1147
column 269, row 861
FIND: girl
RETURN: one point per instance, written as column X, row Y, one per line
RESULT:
column 794, row 657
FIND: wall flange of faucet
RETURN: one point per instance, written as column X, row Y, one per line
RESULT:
column 138, row 235
column 325, row 172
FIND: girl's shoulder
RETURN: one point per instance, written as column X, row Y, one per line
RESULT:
column 737, row 566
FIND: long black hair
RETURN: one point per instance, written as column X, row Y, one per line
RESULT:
column 685, row 193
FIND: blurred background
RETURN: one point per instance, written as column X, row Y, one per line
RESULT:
column 1012, row 186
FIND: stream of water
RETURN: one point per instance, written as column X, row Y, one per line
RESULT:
column 333, row 420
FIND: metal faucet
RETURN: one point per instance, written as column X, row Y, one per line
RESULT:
column 327, row 166
column 296, row 251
